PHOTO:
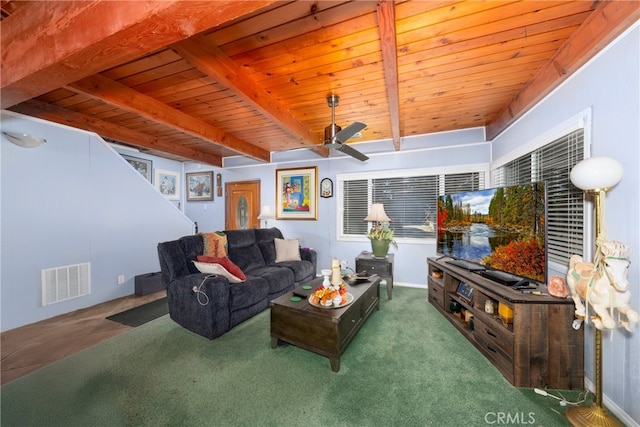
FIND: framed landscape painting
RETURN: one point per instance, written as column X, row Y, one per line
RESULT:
column 296, row 193
column 168, row 183
column 199, row 186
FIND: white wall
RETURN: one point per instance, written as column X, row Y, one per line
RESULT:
column 610, row 87
column 70, row 201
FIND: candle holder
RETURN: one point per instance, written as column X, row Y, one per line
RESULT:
column 326, row 273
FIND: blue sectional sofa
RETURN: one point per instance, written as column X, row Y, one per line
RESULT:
column 208, row 304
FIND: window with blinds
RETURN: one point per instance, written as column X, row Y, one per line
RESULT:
column 410, row 201
column 552, row 164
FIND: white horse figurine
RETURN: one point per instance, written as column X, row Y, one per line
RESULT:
column 603, row 285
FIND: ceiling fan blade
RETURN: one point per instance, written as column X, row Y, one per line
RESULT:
column 349, row 131
column 351, row 151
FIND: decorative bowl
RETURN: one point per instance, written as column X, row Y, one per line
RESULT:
column 454, row 306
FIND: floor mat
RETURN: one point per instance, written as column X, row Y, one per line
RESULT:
column 142, row 314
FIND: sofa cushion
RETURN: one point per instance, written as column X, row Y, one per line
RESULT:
column 243, row 250
column 214, row 268
column 279, row 278
column 264, row 238
column 302, row 270
column 287, row 250
column 226, row 263
column 241, row 238
column 247, row 258
column 248, row 293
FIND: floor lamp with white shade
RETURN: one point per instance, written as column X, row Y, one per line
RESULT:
column 596, row 176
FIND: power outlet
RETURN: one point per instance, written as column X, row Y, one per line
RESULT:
column 121, row 279
column 344, row 264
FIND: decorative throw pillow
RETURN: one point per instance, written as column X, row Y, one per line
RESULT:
column 215, row 244
column 210, row 268
column 287, row 250
column 226, row 263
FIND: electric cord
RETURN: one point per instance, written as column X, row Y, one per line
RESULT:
column 203, row 298
column 562, row 400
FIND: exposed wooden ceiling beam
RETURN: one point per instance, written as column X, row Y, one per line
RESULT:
column 66, row 117
column 112, row 32
column 387, row 25
column 608, row 21
column 114, row 93
column 212, row 61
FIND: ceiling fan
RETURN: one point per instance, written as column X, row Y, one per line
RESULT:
column 335, row 136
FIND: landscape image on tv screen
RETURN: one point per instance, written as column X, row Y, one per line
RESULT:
column 500, row 228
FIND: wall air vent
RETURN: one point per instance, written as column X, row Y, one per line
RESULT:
column 63, row 283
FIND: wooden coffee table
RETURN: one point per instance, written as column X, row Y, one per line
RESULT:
column 325, row 331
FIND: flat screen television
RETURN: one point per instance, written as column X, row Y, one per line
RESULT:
column 499, row 232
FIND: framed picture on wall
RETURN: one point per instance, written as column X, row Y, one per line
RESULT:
column 199, row 186
column 143, row 166
column 168, row 183
column 297, row 193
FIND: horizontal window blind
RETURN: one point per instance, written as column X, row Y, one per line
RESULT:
column 355, row 207
column 457, row 183
column 552, row 164
column 410, row 201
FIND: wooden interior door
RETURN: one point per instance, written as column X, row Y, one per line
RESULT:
column 242, row 205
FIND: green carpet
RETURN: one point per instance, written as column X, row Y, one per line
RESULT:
column 142, row 314
column 407, row 367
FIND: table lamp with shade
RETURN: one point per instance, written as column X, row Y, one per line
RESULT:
column 266, row 215
column 380, row 234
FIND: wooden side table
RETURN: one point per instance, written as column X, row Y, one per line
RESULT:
column 383, row 267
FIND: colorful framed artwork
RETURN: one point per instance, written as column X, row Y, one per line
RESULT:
column 199, row 186
column 297, row 193
column 143, row 166
column 168, row 183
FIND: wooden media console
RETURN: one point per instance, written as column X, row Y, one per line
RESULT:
column 528, row 337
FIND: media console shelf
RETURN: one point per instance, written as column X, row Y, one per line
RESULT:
column 529, row 338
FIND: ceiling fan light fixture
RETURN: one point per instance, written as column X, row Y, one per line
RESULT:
column 331, row 131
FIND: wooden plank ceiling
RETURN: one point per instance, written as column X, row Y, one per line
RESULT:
column 206, row 80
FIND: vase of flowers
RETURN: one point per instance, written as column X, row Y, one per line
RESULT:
column 381, row 236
